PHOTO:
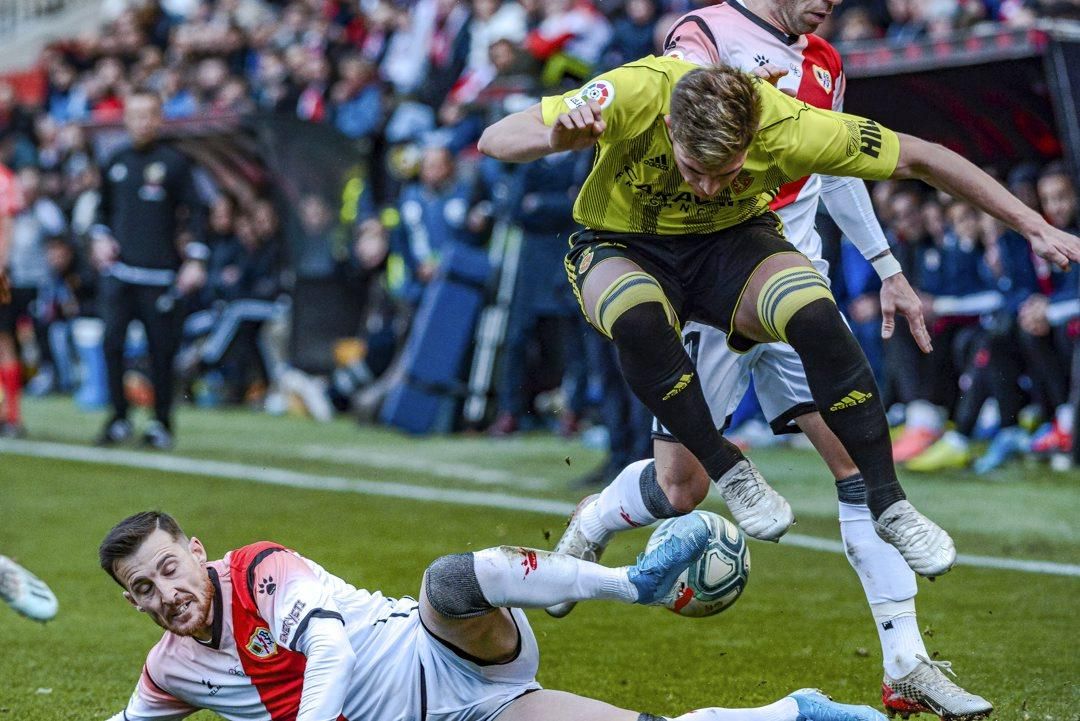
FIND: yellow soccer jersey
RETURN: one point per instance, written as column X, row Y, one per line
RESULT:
column 634, row 186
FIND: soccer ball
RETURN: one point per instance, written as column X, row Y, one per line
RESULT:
column 713, row 582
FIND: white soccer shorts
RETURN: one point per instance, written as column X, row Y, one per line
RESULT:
column 460, row 688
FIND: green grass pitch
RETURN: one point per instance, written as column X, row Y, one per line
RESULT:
column 802, row 621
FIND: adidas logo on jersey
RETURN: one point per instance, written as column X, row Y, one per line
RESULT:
column 851, row 400
column 659, row 162
column 683, row 381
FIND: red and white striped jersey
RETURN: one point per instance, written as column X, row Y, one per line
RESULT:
column 265, row 596
column 729, row 34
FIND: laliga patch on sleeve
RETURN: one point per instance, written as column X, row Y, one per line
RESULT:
column 599, row 91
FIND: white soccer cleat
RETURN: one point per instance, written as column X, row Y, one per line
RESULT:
column 928, row 690
column 925, row 545
column 573, row 543
column 25, row 592
column 760, row 511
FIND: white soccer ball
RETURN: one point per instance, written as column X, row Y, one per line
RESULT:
column 713, row 582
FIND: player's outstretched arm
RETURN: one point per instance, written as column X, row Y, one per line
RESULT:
column 523, row 137
column 328, row 671
column 957, row 176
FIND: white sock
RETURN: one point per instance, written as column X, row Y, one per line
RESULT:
column 783, row 710
column 923, row 414
column 889, row 585
column 619, row 507
column 898, row 630
column 514, row 577
column 954, row 439
column 1064, row 415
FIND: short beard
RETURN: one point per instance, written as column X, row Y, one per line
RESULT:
column 201, row 619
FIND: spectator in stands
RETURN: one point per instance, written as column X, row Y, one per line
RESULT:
column 66, row 100
column 632, row 34
column 855, row 25
column 321, row 245
column 137, row 248
column 1021, row 182
column 66, row 293
column 492, row 22
column 176, row 100
column 39, row 220
column 908, row 238
column 959, row 290
column 315, row 84
column 106, row 89
column 1045, row 320
column 434, row 212
column 11, row 203
column 569, row 39
column 543, row 332
column 243, row 277
column 1000, row 364
column 356, row 100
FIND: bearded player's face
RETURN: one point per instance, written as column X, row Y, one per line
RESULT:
column 166, row 579
column 801, row 17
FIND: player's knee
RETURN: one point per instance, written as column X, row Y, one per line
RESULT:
column 788, row 295
column 636, row 302
column 453, row 589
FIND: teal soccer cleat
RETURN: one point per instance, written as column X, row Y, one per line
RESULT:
column 816, row 706
column 656, row 571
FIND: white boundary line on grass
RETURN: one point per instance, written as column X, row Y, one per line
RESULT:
column 463, row 497
column 455, row 471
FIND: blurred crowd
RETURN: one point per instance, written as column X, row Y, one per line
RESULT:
column 412, row 85
column 903, row 21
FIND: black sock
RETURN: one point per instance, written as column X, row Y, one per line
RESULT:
column 847, row 397
column 660, row 373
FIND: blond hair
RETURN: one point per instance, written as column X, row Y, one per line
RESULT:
column 714, row 114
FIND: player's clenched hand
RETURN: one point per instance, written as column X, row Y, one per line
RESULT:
column 578, row 129
column 771, row 74
column 897, row 296
column 1056, row 246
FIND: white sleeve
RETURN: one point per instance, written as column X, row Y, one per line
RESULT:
column 289, row 596
column 838, row 92
column 848, row 203
column 330, row 663
column 986, row 301
column 1062, row 312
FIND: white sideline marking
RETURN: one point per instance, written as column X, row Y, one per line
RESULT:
column 489, row 499
column 393, row 461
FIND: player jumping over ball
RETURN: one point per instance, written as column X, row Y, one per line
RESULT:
column 266, row 634
column 779, row 33
column 678, row 228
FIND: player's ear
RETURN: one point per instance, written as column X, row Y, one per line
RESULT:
column 132, row 601
column 197, row 550
column 667, row 121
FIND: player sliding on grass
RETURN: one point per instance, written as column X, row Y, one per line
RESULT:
column 678, row 228
column 265, row 634
column 780, row 33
